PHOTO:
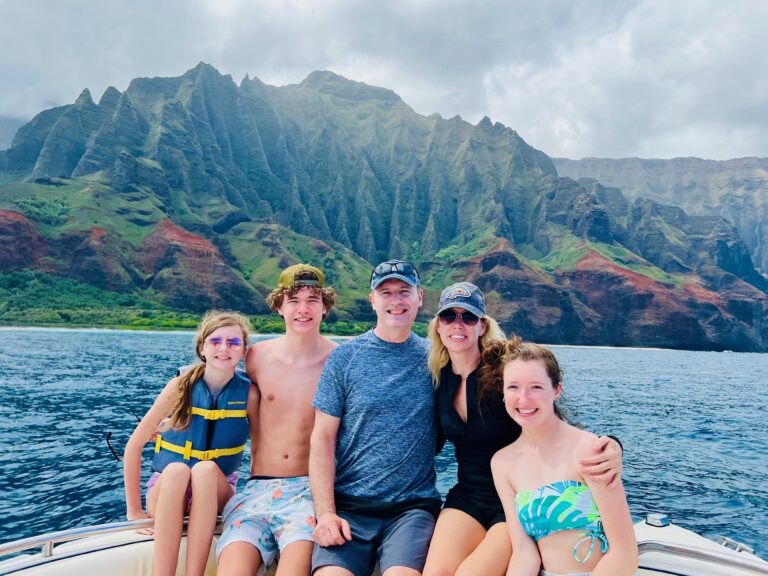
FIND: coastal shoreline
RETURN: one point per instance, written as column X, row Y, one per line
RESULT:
column 97, row 329
column 159, row 330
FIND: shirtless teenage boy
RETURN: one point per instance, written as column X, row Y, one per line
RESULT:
column 275, row 511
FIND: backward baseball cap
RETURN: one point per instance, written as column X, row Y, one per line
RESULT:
column 300, row 275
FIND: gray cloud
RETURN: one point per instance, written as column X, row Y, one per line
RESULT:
column 574, row 78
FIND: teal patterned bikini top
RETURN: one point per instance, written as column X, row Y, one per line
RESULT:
column 563, row 505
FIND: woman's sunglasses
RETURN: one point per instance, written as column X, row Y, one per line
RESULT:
column 450, row 316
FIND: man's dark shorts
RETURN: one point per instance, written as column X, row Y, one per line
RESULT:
column 401, row 540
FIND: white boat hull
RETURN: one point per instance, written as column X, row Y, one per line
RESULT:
column 668, row 550
column 124, row 553
column 672, row 550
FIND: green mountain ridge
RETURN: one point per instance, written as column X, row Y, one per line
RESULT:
column 736, row 189
column 193, row 192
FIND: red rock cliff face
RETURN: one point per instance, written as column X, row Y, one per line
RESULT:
column 91, row 256
column 524, row 301
column 21, row 245
column 191, row 273
column 631, row 308
column 601, row 303
column 95, row 257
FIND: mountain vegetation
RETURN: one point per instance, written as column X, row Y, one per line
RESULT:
column 736, row 190
column 186, row 193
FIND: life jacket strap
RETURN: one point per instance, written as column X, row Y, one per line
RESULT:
column 218, row 414
column 187, row 453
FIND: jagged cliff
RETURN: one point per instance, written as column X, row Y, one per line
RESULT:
column 736, row 190
column 194, row 190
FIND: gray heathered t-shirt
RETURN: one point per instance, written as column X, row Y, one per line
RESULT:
column 383, row 394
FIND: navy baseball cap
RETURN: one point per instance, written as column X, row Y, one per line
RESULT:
column 464, row 295
column 395, row 270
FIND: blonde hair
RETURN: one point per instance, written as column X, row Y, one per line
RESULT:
column 438, row 354
column 180, row 413
column 500, row 353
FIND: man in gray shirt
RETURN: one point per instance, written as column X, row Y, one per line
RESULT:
column 371, row 463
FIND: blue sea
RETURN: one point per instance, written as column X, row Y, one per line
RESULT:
column 693, row 424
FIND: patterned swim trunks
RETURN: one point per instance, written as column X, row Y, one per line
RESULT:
column 269, row 513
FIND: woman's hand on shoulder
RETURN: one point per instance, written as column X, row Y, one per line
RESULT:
column 599, row 459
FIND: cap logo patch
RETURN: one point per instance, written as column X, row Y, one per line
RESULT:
column 458, row 292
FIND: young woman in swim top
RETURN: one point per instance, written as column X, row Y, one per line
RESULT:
column 471, row 537
column 560, row 520
column 203, row 419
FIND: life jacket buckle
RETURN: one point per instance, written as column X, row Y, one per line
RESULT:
column 210, row 454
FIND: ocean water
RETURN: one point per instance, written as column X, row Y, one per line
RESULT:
column 693, row 424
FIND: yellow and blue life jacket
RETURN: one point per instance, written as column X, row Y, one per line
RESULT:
column 217, row 429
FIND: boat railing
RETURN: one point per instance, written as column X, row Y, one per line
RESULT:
column 734, row 544
column 755, row 566
column 46, row 542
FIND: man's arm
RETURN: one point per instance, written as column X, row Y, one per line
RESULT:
column 330, row 530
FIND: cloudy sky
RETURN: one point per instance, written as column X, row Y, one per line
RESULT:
column 575, row 78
